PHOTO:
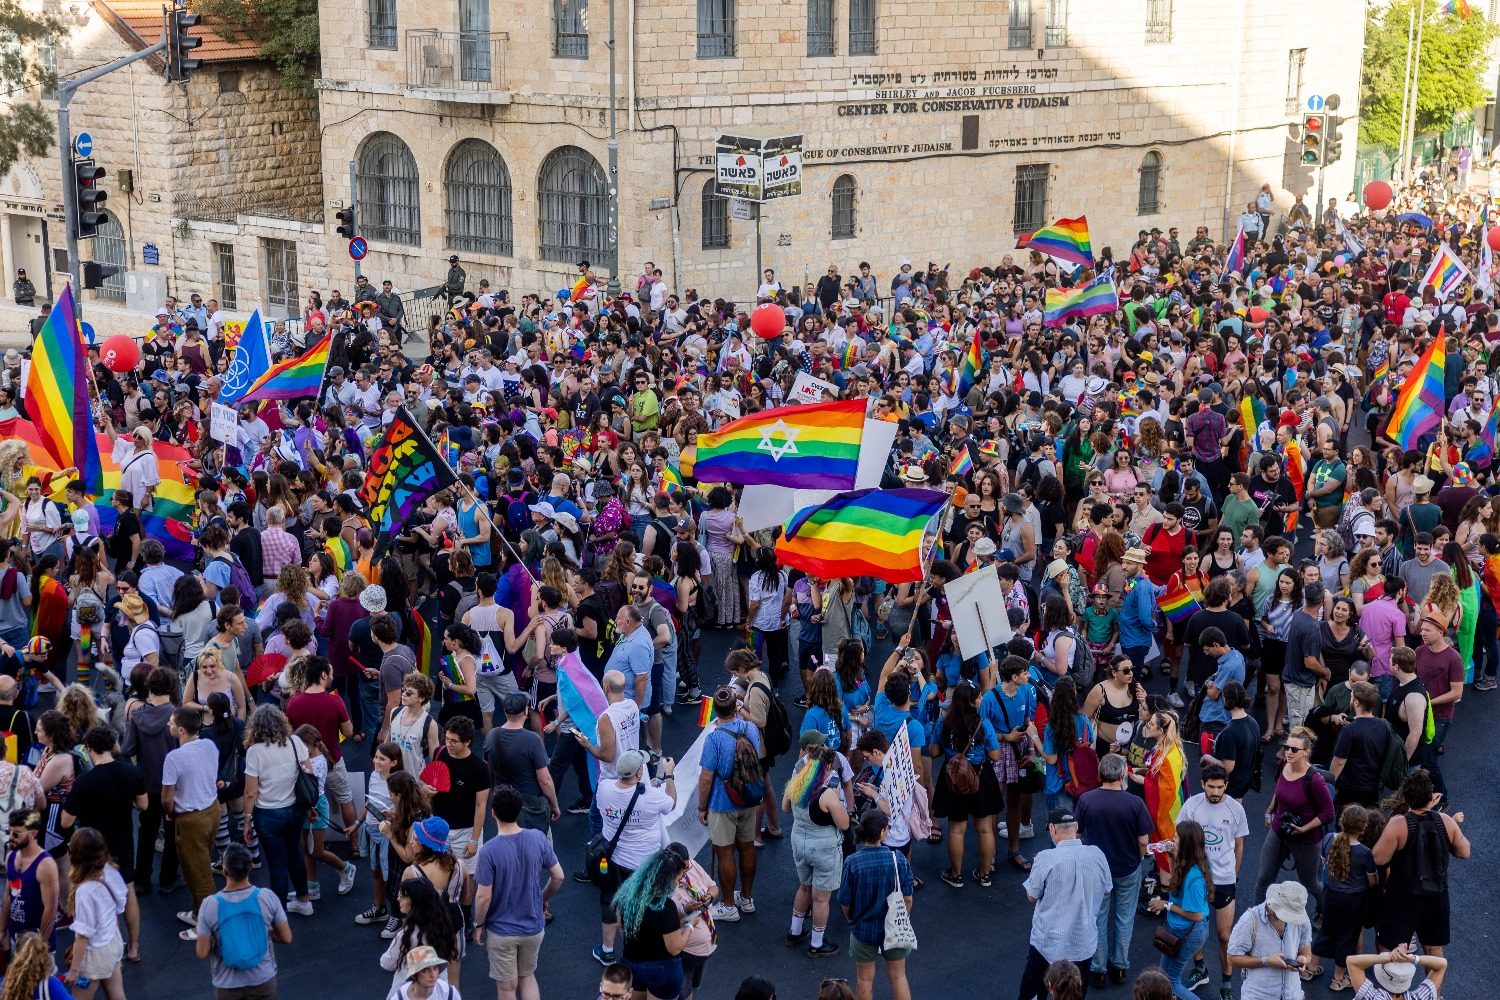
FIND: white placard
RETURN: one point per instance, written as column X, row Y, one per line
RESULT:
column 223, row 423
column 809, row 389
column 681, row 824
column 978, row 609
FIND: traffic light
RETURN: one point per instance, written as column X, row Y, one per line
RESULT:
column 89, row 197
column 179, row 44
column 346, row 223
column 1332, row 140
column 1312, row 140
column 94, row 273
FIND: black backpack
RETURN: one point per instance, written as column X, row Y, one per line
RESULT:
column 776, row 739
column 1426, row 855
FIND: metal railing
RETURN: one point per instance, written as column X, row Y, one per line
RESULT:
column 455, row 60
column 228, row 208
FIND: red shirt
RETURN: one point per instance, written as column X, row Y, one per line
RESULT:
column 1164, row 553
column 325, row 712
column 1438, row 671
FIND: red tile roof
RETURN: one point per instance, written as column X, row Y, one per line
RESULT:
column 138, row 22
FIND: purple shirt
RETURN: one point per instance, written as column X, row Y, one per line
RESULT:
column 1384, row 623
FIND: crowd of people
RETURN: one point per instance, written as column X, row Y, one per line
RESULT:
column 1221, row 435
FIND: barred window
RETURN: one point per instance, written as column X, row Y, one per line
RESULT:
column 281, row 277
column 570, row 19
column 1031, row 197
column 224, row 275
column 380, row 26
column 715, row 29
column 715, row 218
column 574, row 206
column 1020, row 24
column 1149, row 201
column 1057, row 24
column 845, row 220
column 862, row 27
column 109, row 248
column 820, row 18
column 477, row 185
column 1296, row 62
column 389, row 203
column 1158, row 22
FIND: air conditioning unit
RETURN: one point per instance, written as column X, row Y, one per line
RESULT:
column 144, row 291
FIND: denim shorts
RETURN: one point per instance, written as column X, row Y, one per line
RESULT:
column 376, row 846
column 661, row 978
column 321, row 820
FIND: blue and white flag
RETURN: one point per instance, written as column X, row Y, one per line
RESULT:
column 1354, row 246
column 251, row 359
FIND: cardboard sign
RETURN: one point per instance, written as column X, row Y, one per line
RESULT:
column 223, row 423
column 978, row 609
column 809, row 389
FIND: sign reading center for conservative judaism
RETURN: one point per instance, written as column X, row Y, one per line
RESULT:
column 758, row 165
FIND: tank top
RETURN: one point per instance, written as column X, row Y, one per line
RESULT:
column 26, row 898
column 468, row 526
column 1215, row 570
column 624, row 720
column 1110, row 715
column 1264, row 585
column 1010, row 538
column 409, row 739
column 484, row 619
column 456, row 675
column 1399, row 694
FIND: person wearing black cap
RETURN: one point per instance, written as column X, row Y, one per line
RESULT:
column 23, row 289
column 453, row 285
column 1067, row 883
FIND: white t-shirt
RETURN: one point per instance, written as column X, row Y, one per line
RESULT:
column 1221, row 824
column 276, row 767
column 137, row 472
column 624, row 720
column 644, row 834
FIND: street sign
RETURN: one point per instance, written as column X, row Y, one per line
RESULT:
column 1315, row 102
column 83, row 145
column 358, row 248
column 741, row 209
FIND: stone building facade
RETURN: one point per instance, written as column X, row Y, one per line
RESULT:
column 213, row 187
column 933, row 131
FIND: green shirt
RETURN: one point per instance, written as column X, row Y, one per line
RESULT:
column 644, row 411
column 1323, row 472
column 1239, row 514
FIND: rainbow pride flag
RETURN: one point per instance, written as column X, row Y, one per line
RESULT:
column 1252, row 415
column 1459, row 7
column 583, row 699
column 343, row 558
column 1296, row 473
column 1097, row 297
column 1178, row 602
column 850, row 356
column 875, row 533
column 1446, row 272
column 296, row 378
column 57, row 392
column 670, row 482
column 810, row 446
column 1065, row 239
column 705, row 712
column 972, row 363
column 1165, row 789
column 579, row 288
column 424, row 640
column 1419, row 407
column 1378, row 377
column 963, row 463
column 1484, row 448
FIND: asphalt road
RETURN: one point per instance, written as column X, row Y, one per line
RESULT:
column 968, row 936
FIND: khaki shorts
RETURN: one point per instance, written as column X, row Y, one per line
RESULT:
column 337, row 784
column 457, row 841
column 100, row 963
column 512, row 957
column 726, row 829
column 1327, row 517
column 866, row 954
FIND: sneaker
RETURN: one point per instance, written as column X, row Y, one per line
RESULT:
column 1003, row 831
column 1195, row 977
column 171, row 887
column 1226, row 992
column 690, row 697
column 793, row 940
column 1485, row 684
column 983, row 880
column 724, row 914
column 604, row 958
column 581, row 807
column 314, row 891
column 392, row 928
column 825, row 950
column 1175, row 700
column 800, row 701
column 346, row 880
column 305, row 909
column 256, row 862
column 745, row 904
column 1027, row 832
column 217, row 866
column 374, row 915
column 582, row 877
column 953, row 878
column 667, row 708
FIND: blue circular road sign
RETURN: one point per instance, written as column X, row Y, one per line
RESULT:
column 358, row 248
column 83, row 145
column 1315, row 102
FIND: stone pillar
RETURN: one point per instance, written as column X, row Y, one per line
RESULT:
column 7, row 253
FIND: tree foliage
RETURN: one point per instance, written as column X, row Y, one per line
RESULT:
column 285, row 32
column 1449, row 79
column 25, row 127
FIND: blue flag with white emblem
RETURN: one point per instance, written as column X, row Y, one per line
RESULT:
column 251, row 359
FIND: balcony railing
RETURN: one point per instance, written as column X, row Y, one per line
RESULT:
column 455, row 60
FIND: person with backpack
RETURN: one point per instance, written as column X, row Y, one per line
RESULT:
column 1066, row 741
column 1417, row 847
column 760, row 704
column 730, row 788
column 236, row 929
column 1300, row 808
column 1441, row 669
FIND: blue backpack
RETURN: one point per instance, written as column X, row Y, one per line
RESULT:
column 243, row 940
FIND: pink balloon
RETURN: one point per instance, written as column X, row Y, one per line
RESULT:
column 1341, row 260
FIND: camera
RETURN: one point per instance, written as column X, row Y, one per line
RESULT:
column 1287, row 823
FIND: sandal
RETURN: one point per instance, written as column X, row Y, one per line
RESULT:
column 1340, row 984
column 1018, row 860
column 773, row 834
column 186, row 935
column 1308, row 975
column 935, row 837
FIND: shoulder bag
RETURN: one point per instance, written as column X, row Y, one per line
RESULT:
column 899, row 932
column 597, row 855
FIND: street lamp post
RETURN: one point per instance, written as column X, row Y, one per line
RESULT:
column 614, row 170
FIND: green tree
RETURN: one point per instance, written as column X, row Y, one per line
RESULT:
column 25, row 127
column 1449, row 79
column 284, row 31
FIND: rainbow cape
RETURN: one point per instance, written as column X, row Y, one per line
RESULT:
column 296, row 378
column 1065, row 239
column 583, row 699
column 875, row 533
column 972, row 363
column 1166, row 782
column 1098, row 296
column 339, row 550
column 1296, row 472
column 1419, row 407
column 1179, row 601
column 811, row 446
column 57, row 392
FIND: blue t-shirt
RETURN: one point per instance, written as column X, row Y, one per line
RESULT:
column 853, row 699
column 513, row 864
column 888, row 719
column 1084, row 729
column 984, row 741
column 817, row 718
column 1231, row 668
column 1192, row 896
column 1018, row 708
column 950, row 664
column 718, row 757
column 56, row 989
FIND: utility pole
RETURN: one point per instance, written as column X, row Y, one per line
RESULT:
column 1409, row 135
column 614, row 170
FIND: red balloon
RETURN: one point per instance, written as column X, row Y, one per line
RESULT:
column 1378, row 195
column 1493, row 239
column 120, row 353
column 768, row 320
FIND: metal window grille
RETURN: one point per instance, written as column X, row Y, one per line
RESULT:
column 224, row 276
column 1031, row 197
column 570, row 19
column 1149, row 200
column 845, row 218
column 1057, row 24
column 1020, row 24
column 478, row 190
column 862, row 27
column 381, row 24
column 715, row 29
column 820, row 25
column 109, row 248
column 281, row 276
column 1296, row 61
column 715, row 218
column 1158, row 22
column 388, row 191
column 574, row 197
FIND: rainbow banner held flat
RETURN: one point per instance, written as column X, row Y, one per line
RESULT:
column 296, row 378
column 812, row 446
column 1097, row 297
column 1420, row 406
column 876, row 533
column 57, row 392
column 1446, row 272
column 1065, row 239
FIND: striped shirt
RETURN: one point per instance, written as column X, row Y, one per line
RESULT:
column 278, row 549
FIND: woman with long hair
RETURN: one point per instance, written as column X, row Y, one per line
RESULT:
column 854, row 692
column 460, row 672
column 1063, row 981
column 56, row 771
column 768, row 602
column 96, row 902
column 210, row 676
column 688, row 583
column 32, row 972
column 1284, row 601
column 653, row 927
column 1349, row 878
column 723, row 531
column 409, row 806
column 273, row 758
column 814, row 796
column 1058, row 638
column 1186, row 908
column 291, row 588
column 49, row 607
column 967, row 734
column 1466, row 624
column 1117, row 699
column 426, row 919
column 1067, row 729
column 1163, row 777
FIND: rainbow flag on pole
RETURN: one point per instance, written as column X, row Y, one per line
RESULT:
column 963, row 463
column 1419, row 407
column 1065, row 239
column 296, row 378
column 876, row 533
column 972, row 363
column 1098, row 296
column 57, row 393
column 814, row 446
column 1236, row 259
column 1446, row 272
column 1179, row 601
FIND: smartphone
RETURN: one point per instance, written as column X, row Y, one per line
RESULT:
column 374, row 810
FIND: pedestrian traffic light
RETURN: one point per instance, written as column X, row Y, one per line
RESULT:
column 1312, row 140
column 94, row 273
column 179, row 44
column 88, row 197
column 1332, row 140
column 346, row 223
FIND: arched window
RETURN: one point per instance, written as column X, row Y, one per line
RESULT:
column 1149, row 201
column 109, row 248
column 844, row 222
column 715, row 217
column 573, row 198
column 477, row 185
column 389, row 209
